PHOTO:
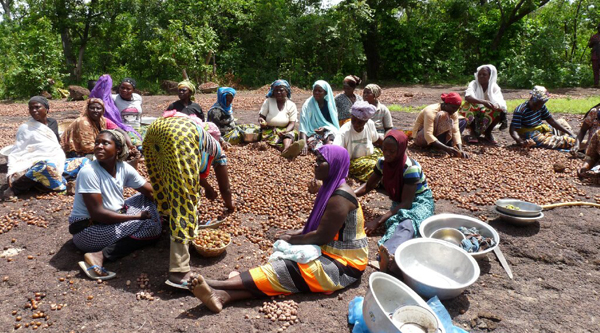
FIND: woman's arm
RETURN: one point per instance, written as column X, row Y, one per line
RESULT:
column 369, row 186
column 290, row 126
column 302, row 136
column 146, row 190
column 223, row 181
column 582, row 132
column 406, row 201
column 560, row 127
column 333, row 218
column 93, row 203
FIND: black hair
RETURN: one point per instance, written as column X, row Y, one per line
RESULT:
column 130, row 81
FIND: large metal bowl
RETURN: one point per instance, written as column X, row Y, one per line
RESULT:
column 526, row 209
column 447, row 220
column 518, row 220
column 387, row 294
column 250, row 137
column 434, row 267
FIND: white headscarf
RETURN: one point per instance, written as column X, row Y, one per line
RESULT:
column 494, row 92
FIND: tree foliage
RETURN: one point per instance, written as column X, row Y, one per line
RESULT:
column 253, row 42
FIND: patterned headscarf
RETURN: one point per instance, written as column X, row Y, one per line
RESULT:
column 188, row 84
column 120, row 142
column 339, row 163
column 222, row 99
column 278, row 83
column 40, row 99
column 374, row 89
column 130, row 81
column 539, row 93
column 352, row 80
column 363, row 110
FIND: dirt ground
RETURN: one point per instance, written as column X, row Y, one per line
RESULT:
column 556, row 262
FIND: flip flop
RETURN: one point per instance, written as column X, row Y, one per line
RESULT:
column 492, row 140
column 182, row 285
column 472, row 139
column 294, row 149
column 89, row 271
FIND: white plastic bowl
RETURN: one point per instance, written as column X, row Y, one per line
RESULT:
column 447, row 220
column 386, row 295
column 434, row 267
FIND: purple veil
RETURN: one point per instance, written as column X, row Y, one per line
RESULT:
column 102, row 90
column 339, row 162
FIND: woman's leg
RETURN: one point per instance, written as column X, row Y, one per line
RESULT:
column 179, row 262
column 286, row 143
column 215, row 299
column 124, row 247
column 404, row 231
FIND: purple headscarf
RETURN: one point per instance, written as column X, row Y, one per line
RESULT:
column 102, row 90
column 339, row 162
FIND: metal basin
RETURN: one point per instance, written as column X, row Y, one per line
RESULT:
column 526, row 209
column 451, row 235
column 447, row 220
column 386, row 295
column 518, row 220
column 434, row 267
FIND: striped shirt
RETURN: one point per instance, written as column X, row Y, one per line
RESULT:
column 413, row 174
column 525, row 117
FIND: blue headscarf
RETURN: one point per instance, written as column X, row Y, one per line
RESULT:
column 311, row 117
column 222, row 99
column 278, row 83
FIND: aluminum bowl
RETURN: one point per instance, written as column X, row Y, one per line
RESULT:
column 433, row 267
column 387, row 294
column 451, row 235
column 518, row 220
column 448, row 220
column 526, row 209
column 250, row 137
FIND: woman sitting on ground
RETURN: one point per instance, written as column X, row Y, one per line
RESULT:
column 78, row 140
column 335, row 225
column 344, row 101
column 412, row 200
column 438, row 126
column 103, row 91
column 186, row 91
column 590, row 124
column 382, row 117
column 591, row 164
column 103, row 223
column 129, row 103
column 318, row 121
column 528, row 130
column 359, row 137
column 221, row 113
column 277, row 119
column 485, row 106
column 36, row 159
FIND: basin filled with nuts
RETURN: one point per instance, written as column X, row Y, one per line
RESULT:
column 211, row 242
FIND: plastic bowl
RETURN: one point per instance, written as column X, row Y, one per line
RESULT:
column 434, row 267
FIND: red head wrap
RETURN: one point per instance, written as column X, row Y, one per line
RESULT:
column 452, row 98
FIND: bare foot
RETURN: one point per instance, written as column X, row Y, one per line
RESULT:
column 95, row 258
column 179, row 277
column 205, row 294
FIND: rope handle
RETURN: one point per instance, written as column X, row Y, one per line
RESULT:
column 577, row 203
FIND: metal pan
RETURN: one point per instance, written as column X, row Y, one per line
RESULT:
column 519, row 220
column 526, row 209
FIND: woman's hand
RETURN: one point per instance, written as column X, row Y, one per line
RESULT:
column 575, row 148
column 225, row 145
column 210, row 193
column 372, row 225
column 280, row 233
column 262, row 122
column 314, row 186
column 144, row 215
column 285, row 237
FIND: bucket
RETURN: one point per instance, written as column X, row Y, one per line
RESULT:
column 415, row 319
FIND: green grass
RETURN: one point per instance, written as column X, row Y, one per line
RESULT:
column 557, row 105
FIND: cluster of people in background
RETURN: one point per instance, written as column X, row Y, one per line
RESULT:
column 350, row 135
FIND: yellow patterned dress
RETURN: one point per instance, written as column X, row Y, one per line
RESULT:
column 178, row 154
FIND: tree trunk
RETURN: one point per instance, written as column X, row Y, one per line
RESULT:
column 516, row 14
column 67, row 46
column 6, row 6
column 370, row 45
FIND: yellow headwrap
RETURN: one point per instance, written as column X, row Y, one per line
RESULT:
column 188, row 84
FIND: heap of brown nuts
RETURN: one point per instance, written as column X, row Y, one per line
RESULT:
column 282, row 311
column 144, row 295
column 212, row 239
column 143, row 281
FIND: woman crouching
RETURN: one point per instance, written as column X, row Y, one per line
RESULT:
column 103, row 223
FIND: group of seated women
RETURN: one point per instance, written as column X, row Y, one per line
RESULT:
column 349, row 135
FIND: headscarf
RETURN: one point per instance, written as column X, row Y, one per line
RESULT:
column 393, row 171
column 311, row 117
column 494, row 92
column 339, row 162
column 452, row 98
column 221, row 103
column 374, row 89
column 363, row 110
column 278, row 83
column 80, row 136
column 188, row 84
column 40, row 99
column 352, row 80
column 539, row 93
column 130, row 81
column 102, row 90
column 121, row 140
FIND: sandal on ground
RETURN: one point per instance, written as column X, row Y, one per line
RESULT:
column 294, row 149
column 89, row 270
column 491, row 139
column 183, row 285
column 472, row 139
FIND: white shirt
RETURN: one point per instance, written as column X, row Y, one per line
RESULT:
column 131, row 111
column 276, row 117
column 358, row 144
column 382, row 118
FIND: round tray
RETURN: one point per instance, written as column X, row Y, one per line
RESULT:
column 527, row 209
column 517, row 220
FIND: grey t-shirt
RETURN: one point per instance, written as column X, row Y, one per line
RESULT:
column 94, row 179
column 131, row 111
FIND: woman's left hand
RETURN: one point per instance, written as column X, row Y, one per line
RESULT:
column 371, row 226
column 210, row 193
column 285, row 237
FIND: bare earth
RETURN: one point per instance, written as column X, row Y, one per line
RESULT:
column 556, row 262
